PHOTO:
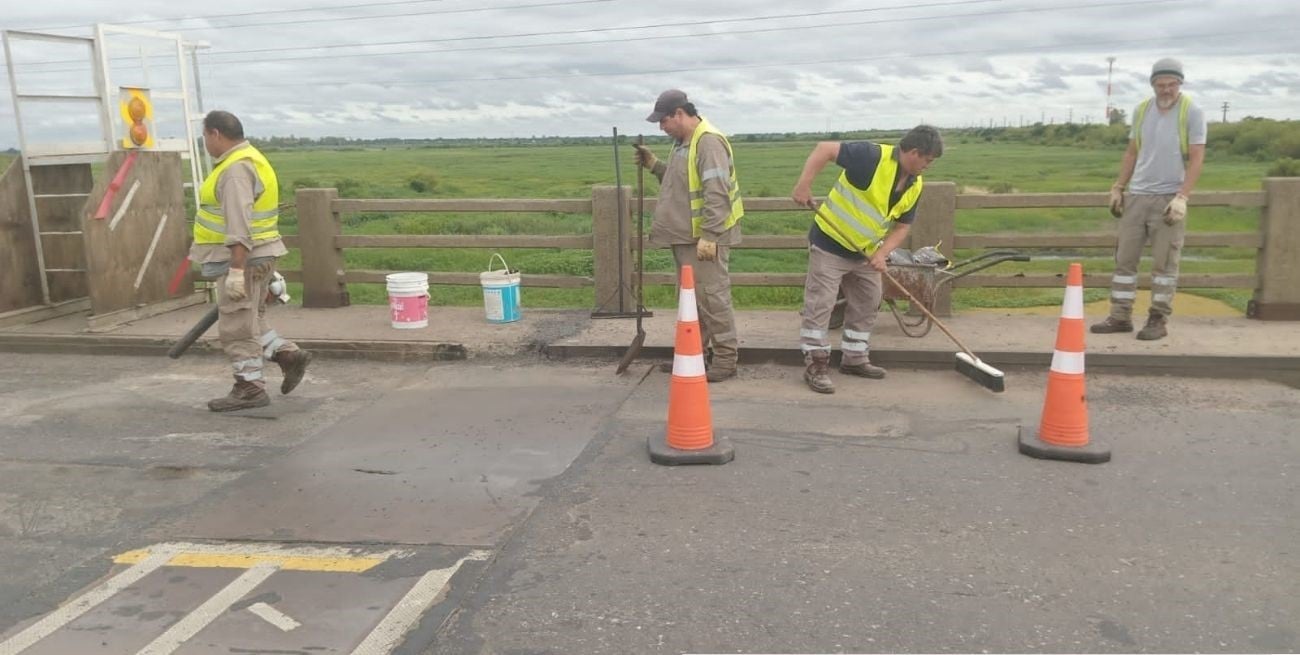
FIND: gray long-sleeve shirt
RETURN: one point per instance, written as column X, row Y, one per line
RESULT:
column 237, row 189
column 672, row 218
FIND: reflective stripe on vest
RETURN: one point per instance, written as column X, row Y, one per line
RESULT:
column 1184, row 104
column 695, row 180
column 210, row 220
column 865, row 214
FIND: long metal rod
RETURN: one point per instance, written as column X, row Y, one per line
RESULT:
column 205, row 161
column 55, row 38
column 102, row 84
column 196, row 168
column 27, row 169
column 56, row 97
column 622, row 231
column 640, row 236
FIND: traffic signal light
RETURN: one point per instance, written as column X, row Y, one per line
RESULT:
column 137, row 111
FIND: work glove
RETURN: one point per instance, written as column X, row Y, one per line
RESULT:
column 1117, row 201
column 277, row 289
column 705, row 250
column 644, row 157
column 236, row 287
column 1176, row 210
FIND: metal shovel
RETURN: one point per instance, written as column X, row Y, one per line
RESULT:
column 639, row 340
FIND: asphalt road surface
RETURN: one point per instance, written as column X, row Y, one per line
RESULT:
column 509, row 507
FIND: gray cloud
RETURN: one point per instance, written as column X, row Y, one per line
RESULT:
column 512, row 71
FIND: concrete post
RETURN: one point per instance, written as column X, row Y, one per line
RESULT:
column 1277, row 291
column 936, row 215
column 322, row 260
column 613, row 281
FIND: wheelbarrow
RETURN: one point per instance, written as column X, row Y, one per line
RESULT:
column 925, row 281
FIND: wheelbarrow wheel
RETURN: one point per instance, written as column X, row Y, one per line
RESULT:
column 916, row 328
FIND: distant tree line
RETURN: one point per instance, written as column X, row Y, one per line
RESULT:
column 1261, row 139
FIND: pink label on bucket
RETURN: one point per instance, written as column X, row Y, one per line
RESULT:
column 409, row 309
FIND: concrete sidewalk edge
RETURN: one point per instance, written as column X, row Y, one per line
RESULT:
column 1278, row 368
column 99, row 344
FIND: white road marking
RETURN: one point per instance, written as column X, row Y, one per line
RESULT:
column 206, row 613
column 407, row 611
column 68, row 613
column 126, row 202
column 274, row 616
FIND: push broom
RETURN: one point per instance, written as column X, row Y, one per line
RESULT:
column 967, row 363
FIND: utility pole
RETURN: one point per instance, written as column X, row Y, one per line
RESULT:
column 1225, row 112
column 1071, row 118
column 1110, row 68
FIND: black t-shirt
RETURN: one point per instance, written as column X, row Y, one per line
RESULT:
column 859, row 159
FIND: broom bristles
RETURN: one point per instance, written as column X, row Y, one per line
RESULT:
column 985, row 375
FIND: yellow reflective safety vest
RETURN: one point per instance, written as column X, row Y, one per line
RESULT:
column 210, row 220
column 864, row 215
column 1140, row 114
column 695, row 181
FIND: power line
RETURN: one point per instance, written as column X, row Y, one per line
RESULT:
column 559, row 3
column 406, row 15
column 246, row 13
column 817, row 62
column 659, row 36
column 650, row 26
column 946, row 3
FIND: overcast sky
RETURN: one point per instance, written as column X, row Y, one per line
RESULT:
column 500, row 68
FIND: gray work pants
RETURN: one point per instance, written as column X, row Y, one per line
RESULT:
column 246, row 337
column 713, row 299
column 863, row 291
column 1144, row 218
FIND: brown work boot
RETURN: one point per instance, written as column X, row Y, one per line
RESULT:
column 1112, row 325
column 818, row 373
column 293, row 364
column 1155, row 327
column 863, row 370
column 720, row 373
column 244, row 395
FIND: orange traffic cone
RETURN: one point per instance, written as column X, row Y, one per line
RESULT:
column 1063, row 432
column 689, row 438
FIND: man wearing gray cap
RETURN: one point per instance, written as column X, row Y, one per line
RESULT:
column 698, row 216
column 1166, row 151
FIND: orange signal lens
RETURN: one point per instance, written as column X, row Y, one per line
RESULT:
column 136, row 109
column 139, row 134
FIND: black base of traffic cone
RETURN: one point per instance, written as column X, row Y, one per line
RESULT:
column 1093, row 453
column 720, row 452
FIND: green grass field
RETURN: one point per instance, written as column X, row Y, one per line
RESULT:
column 765, row 168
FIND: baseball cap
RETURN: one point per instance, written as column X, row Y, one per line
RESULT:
column 669, row 101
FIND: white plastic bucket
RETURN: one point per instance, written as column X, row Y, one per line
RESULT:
column 500, row 292
column 408, row 299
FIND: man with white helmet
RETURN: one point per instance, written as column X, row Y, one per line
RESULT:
column 1166, row 151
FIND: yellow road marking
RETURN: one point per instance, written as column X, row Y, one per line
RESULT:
column 233, row 557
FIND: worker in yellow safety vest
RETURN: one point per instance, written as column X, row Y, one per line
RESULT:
column 698, row 216
column 870, row 209
column 1165, row 155
column 237, row 241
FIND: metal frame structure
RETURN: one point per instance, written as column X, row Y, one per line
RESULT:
column 105, row 98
